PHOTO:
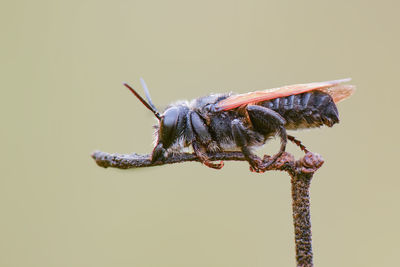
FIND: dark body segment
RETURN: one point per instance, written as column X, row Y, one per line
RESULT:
column 306, row 110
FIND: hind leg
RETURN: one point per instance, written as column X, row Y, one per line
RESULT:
column 240, row 137
column 267, row 121
column 298, row 143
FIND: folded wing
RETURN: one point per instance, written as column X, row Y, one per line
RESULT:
column 336, row 89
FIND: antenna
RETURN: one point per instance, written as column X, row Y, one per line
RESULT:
column 147, row 105
column 146, row 91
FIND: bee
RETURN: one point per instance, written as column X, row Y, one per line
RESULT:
column 242, row 122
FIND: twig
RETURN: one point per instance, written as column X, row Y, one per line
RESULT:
column 300, row 171
column 301, row 180
column 134, row 160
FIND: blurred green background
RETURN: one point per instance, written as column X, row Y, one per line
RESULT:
column 62, row 68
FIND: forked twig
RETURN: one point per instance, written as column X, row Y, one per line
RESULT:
column 301, row 172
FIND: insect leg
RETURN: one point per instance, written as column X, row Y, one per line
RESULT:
column 298, row 143
column 201, row 136
column 158, row 153
column 268, row 122
column 239, row 135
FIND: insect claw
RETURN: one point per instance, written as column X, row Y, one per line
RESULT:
column 213, row 165
column 269, row 164
column 256, row 164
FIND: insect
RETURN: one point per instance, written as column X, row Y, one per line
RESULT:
column 242, row 122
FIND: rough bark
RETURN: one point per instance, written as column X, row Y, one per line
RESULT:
column 301, row 172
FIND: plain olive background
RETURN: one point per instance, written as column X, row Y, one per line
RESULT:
column 62, row 68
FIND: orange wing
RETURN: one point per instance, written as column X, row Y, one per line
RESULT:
column 335, row 89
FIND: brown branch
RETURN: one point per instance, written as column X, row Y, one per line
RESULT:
column 301, row 180
column 134, row 160
column 300, row 171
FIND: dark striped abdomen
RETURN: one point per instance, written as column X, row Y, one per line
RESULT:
column 306, row 110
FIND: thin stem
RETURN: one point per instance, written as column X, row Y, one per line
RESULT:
column 302, row 219
column 300, row 171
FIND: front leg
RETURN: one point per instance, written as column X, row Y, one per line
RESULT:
column 201, row 135
column 267, row 121
column 203, row 157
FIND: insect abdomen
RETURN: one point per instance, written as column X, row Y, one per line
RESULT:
column 306, row 110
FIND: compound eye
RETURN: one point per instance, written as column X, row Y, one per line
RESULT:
column 170, row 117
column 169, row 123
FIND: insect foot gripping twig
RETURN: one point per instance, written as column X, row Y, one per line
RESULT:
column 300, row 171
